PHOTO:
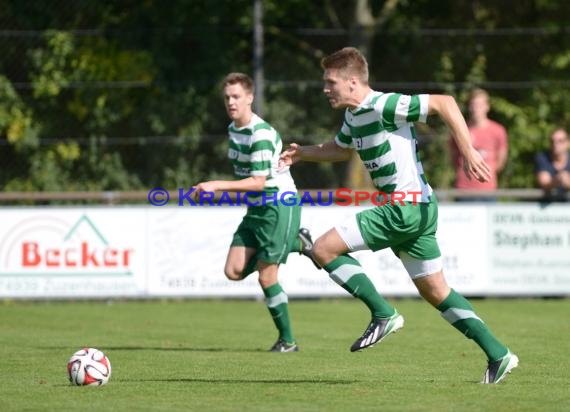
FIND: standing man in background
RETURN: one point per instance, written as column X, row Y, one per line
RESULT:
column 489, row 138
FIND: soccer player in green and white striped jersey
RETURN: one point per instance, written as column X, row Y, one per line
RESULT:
column 269, row 231
column 380, row 128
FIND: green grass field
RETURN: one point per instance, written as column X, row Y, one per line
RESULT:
column 211, row 356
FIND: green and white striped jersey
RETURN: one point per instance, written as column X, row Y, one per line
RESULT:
column 381, row 130
column 254, row 151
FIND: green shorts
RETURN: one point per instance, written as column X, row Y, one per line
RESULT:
column 409, row 228
column 271, row 229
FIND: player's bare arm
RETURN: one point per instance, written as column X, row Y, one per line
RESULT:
column 329, row 151
column 249, row 184
column 446, row 107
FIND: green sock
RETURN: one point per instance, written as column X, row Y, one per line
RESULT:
column 458, row 311
column 278, row 305
column 347, row 272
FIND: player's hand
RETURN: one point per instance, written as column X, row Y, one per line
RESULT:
column 203, row 187
column 475, row 166
column 290, row 156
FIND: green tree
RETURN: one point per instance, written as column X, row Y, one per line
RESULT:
column 126, row 95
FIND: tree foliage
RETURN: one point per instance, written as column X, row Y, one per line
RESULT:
column 126, row 95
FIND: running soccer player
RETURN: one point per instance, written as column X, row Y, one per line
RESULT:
column 270, row 229
column 379, row 126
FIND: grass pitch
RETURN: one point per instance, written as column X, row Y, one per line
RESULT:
column 211, row 356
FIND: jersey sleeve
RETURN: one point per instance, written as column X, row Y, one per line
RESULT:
column 396, row 109
column 343, row 137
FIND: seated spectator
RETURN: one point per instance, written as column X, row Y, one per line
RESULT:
column 552, row 167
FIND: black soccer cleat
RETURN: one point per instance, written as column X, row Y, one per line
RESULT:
column 377, row 330
column 307, row 245
column 282, row 346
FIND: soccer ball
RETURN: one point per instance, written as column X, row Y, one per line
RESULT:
column 89, row 367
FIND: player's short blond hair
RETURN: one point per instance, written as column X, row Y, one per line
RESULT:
column 239, row 78
column 349, row 61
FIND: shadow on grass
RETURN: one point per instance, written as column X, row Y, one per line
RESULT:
column 105, row 348
column 181, row 348
column 254, row 381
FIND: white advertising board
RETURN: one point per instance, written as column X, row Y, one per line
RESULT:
column 72, row 252
column 101, row 252
column 529, row 249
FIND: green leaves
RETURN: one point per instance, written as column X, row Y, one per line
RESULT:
column 107, row 95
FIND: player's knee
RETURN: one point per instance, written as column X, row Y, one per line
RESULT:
column 232, row 273
column 321, row 252
column 433, row 288
column 266, row 282
column 317, row 249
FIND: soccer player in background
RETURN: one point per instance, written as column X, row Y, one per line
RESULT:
column 379, row 126
column 270, row 230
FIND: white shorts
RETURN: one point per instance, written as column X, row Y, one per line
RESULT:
column 349, row 232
